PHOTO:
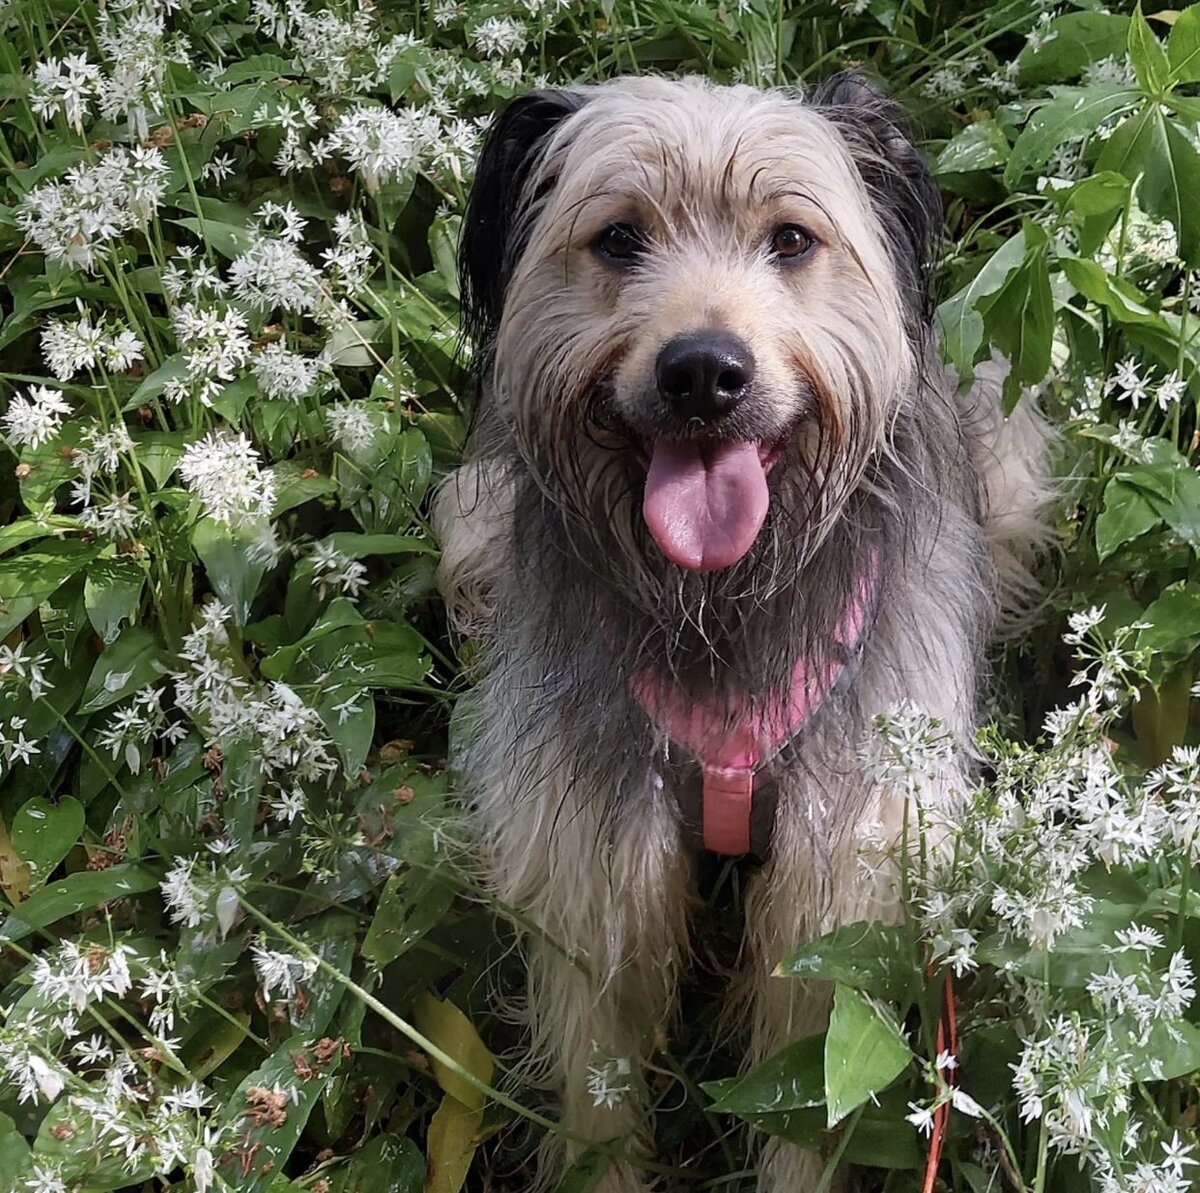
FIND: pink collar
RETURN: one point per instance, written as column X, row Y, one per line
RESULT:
column 732, row 742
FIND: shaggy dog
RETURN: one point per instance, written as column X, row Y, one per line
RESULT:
column 721, row 506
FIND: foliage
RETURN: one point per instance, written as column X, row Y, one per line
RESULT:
column 238, row 953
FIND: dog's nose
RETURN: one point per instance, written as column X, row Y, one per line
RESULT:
column 704, row 374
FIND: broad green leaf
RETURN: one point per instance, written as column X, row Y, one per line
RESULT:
column 1174, row 620
column 1152, row 147
column 1173, row 1050
column 1097, row 194
column 44, row 832
column 1183, row 47
column 268, row 1110
column 1115, row 295
column 14, row 1154
column 256, row 66
column 1071, row 43
column 229, row 240
column 875, row 958
column 443, row 1024
column 158, row 453
column 73, row 894
column 413, row 901
column 134, row 660
column 1072, row 112
column 112, row 592
column 27, row 580
column 333, row 940
column 233, row 566
column 359, row 546
column 25, row 530
column 174, row 368
column 864, row 1053
column 386, row 1164
column 960, row 323
column 1127, row 513
column 1020, row 320
column 980, row 146
column 1146, row 55
column 792, row 1079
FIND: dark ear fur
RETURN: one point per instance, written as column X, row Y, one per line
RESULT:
column 902, row 190
column 493, row 232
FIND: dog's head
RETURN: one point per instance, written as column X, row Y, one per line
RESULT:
column 702, row 302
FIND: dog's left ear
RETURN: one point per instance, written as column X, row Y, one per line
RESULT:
column 902, row 190
column 497, row 221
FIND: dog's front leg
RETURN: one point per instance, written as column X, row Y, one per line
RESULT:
column 607, row 902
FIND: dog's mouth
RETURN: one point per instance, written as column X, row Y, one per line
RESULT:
column 706, row 499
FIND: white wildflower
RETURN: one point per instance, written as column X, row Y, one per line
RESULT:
column 34, row 418
column 223, row 471
column 351, row 426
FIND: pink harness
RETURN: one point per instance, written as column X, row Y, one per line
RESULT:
column 733, row 743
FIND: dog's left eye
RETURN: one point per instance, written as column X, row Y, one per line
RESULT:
column 791, row 241
column 621, row 243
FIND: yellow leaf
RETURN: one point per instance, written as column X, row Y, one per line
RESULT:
column 448, row 1028
column 450, row 1145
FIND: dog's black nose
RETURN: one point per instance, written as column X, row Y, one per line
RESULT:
column 704, row 374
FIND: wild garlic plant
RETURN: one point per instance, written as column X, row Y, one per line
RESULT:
column 230, row 866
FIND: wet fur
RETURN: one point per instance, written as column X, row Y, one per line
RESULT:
column 548, row 561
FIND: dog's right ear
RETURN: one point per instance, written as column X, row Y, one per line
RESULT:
column 497, row 223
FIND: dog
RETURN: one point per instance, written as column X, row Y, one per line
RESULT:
column 721, row 505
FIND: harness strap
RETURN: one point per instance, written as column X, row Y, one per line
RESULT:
column 732, row 740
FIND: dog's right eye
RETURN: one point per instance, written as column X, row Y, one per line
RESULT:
column 621, row 243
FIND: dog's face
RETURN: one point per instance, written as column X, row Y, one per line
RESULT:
column 698, row 296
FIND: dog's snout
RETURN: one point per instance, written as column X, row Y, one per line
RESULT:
column 704, row 374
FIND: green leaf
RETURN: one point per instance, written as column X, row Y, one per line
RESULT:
column 1121, row 299
column 27, row 580
column 1183, row 47
column 73, row 894
column 792, row 1079
column 1174, row 620
column 14, row 1154
column 359, row 546
column 158, row 453
column 960, row 323
column 1146, row 55
column 112, row 592
column 387, row 1164
column 44, row 832
column 864, row 1053
column 256, row 66
column 25, row 530
column 875, row 958
column 333, row 939
column 1076, row 40
column 979, row 146
column 228, row 239
column 413, row 901
column 1127, row 513
column 1173, row 1050
column 1153, row 148
column 234, row 568
column 261, row 1131
column 1020, row 320
column 1072, row 112
column 1096, row 195
column 131, row 662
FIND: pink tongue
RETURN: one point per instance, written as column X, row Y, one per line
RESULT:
column 705, row 503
